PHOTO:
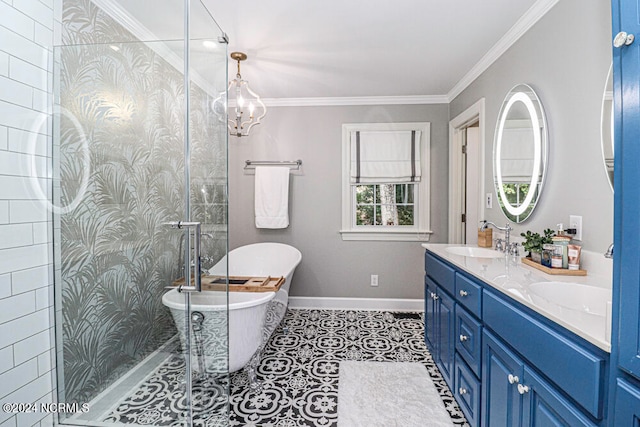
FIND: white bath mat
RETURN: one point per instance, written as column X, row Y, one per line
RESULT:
column 388, row 394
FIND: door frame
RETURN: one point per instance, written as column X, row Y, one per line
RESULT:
column 475, row 113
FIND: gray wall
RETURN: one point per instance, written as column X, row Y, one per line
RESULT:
column 565, row 57
column 330, row 266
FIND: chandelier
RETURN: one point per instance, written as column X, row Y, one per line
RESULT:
column 249, row 108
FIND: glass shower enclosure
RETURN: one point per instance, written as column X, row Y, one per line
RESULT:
column 140, row 203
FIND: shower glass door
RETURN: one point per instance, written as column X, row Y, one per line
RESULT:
column 139, row 143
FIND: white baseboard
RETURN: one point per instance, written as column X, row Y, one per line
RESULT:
column 385, row 304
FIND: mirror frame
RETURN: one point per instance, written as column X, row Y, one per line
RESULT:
column 525, row 94
column 607, row 128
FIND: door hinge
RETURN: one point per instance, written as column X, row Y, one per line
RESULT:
column 464, row 217
column 464, row 149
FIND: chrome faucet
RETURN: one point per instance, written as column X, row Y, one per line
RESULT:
column 502, row 245
column 609, row 253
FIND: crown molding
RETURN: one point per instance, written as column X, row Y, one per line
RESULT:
column 356, row 100
column 526, row 21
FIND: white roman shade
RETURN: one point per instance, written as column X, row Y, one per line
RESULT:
column 516, row 155
column 385, row 156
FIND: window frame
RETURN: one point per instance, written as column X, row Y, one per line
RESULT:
column 420, row 231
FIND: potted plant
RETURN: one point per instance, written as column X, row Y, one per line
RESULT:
column 533, row 243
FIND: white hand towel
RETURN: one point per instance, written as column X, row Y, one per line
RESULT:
column 272, row 197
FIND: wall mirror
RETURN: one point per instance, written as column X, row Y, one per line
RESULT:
column 520, row 153
column 607, row 127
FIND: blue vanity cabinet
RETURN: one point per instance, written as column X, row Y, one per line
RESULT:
column 624, row 385
column 514, row 394
column 446, row 329
column 564, row 378
column 544, row 405
column 627, row 192
column 502, row 371
column 430, row 309
column 510, row 366
column 440, row 316
column 454, row 332
column 439, row 329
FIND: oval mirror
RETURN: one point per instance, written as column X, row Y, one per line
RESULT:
column 520, row 153
column 606, row 127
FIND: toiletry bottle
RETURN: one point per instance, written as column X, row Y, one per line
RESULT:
column 562, row 241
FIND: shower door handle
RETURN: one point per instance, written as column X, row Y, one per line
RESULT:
column 195, row 229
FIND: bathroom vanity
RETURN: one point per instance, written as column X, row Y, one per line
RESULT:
column 517, row 346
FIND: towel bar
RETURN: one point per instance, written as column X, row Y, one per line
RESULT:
column 293, row 164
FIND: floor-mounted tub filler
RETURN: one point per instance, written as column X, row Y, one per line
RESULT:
column 253, row 316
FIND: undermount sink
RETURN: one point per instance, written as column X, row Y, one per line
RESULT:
column 578, row 304
column 573, row 296
column 472, row 251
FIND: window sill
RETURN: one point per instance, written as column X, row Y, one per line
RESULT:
column 387, row 235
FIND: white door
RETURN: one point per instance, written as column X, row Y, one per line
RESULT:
column 472, row 184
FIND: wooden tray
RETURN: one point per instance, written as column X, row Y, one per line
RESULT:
column 238, row 283
column 554, row 271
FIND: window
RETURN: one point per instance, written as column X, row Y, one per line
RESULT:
column 384, row 204
column 516, row 193
column 385, row 188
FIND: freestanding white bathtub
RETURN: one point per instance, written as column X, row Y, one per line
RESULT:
column 247, row 310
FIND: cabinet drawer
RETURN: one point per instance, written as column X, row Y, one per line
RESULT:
column 467, row 392
column 440, row 272
column 578, row 371
column 469, row 294
column 469, row 339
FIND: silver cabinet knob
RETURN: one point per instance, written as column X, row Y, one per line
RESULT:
column 463, row 338
column 522, row 389
column 435, row 297
column 513, row 379
column 463, row 293
column 623, row 39
column 462, row 390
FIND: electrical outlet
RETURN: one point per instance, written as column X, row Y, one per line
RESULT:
column 575, row 221
column 489, row 201
column 374, row 280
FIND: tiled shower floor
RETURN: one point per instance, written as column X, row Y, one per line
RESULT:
column 299, row 373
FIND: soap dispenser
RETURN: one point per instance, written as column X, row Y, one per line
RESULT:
column 561, row 241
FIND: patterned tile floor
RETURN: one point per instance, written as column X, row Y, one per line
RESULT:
column 298, row 371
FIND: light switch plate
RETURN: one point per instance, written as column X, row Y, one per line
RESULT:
column 489, row 201
column 575, row 221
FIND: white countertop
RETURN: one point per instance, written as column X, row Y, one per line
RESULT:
column 581, row 304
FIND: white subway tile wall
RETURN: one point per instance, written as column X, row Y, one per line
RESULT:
column 27, row 352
